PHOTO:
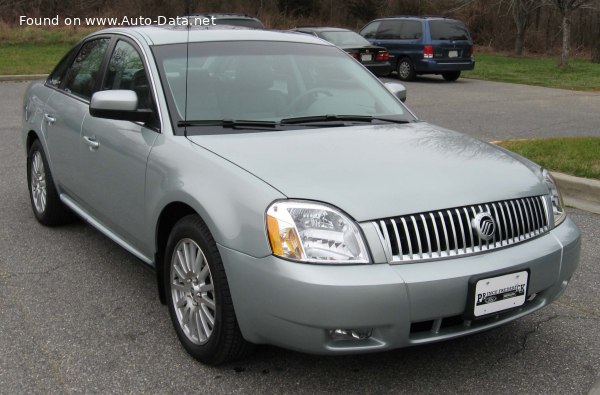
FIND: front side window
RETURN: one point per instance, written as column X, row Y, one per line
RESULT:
column 126, row 71
column 370, row 31
column 85, row 71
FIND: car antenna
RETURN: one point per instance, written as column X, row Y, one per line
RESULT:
column 187, row 63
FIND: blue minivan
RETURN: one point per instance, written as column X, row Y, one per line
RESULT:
column 423, row 45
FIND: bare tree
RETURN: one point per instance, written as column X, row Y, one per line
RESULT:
column 566, row 8
column 522, row 10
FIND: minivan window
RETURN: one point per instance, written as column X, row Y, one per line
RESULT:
column 389, row 30
column 411, row 30
column 448, row 30
column 370, row 31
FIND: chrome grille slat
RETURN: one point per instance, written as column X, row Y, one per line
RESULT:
column 453, row 231
column 449, row 232
column 424, row 222
column 437, row 234
column 397, row 235
column 418, row 235
column 445, row 232
column 407, row 237
column 462, row 230
column 505, row 224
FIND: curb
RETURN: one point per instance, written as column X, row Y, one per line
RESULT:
column 23, row 77
column 581, row 193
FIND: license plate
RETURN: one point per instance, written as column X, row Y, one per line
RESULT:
column 453, row 54
column 366, row 57
column 500, row 293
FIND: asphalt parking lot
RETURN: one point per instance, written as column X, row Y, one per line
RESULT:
column 493, row 110
column 80, row 314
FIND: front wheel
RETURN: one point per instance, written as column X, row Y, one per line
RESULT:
column 451, row 75
column 406, row 70
column 198, row 295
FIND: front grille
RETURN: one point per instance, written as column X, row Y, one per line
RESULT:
column 449, row 232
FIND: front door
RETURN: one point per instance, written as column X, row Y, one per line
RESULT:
column 114, row 153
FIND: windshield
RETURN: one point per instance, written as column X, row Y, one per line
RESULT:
column 344, row 39
column 269, row 81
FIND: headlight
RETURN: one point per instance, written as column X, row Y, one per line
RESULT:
column 312, row 232
column 558, row 208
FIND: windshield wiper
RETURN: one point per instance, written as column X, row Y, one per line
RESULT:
column 341, row 119
column 229, row 123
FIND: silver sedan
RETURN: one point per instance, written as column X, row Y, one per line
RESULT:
column 285, row 196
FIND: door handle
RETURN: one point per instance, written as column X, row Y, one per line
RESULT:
column 49, row 118
column 91, row 141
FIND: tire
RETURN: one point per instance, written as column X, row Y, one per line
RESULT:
column 451, row 75
column 406, row 70
column 45, row 202
column 198, row 295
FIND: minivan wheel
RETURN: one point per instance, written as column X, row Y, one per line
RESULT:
column 451, row 75
column 45, row 202
column 198, row 295
column 406, row 70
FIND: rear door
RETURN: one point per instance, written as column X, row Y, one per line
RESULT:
column 115, row 153
column 66, row 109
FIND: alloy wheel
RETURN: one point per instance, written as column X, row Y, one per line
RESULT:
column 404, row 70
column 38, row 182
column 192, row 291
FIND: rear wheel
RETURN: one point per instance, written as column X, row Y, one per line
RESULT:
column 451, row 75
column 406, row 70
column 198, row 295
column 45, row 202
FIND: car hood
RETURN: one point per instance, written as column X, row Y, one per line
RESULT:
column 378, row 171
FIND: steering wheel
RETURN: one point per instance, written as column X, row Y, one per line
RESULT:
column 291, row 109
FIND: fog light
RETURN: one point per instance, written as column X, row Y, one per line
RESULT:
column 350, row 334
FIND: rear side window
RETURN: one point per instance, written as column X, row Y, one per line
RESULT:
column 400, row 30
column 411, row 30
column 389, row 30
column 370, row 31
column 58, row 73
column 85, row 71
column 448, row 30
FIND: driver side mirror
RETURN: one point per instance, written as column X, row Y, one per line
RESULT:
column 118, row 104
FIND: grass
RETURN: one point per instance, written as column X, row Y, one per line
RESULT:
column 35, row 50
column 578, row 156
column 30, row 59
column 583, row 74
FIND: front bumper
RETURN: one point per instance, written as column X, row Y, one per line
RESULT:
column 296, row 305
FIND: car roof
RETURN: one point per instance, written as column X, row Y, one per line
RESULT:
column 322, row 29
column 161, row 35
column 419, row 17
